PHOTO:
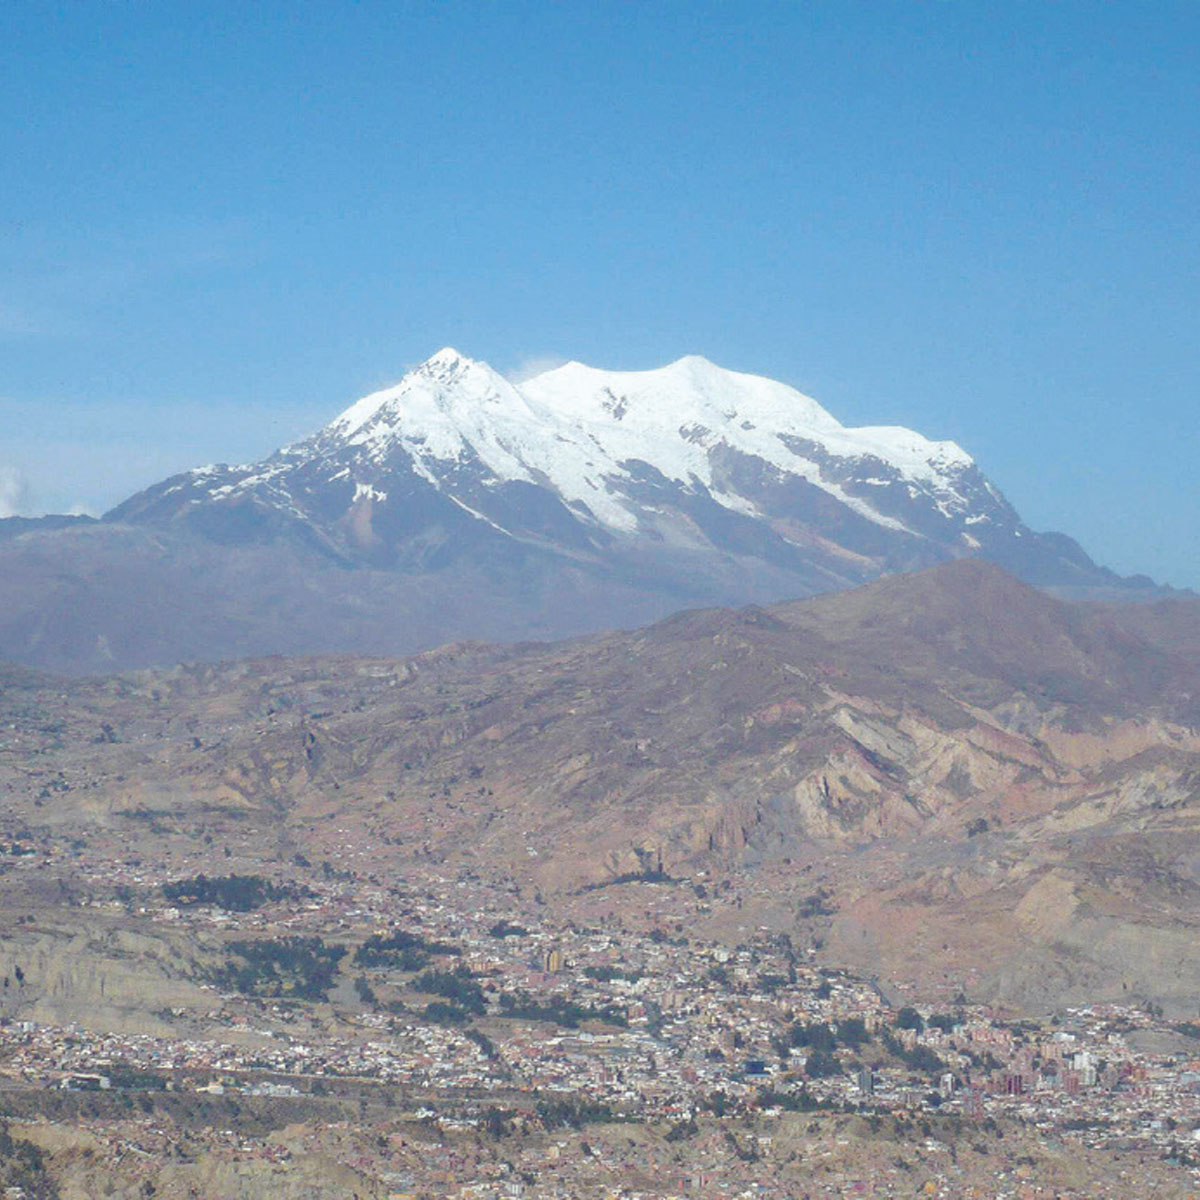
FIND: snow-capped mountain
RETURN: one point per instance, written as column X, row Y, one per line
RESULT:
column 705, row 482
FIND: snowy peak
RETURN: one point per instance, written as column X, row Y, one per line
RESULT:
column 747, row 411
column 688, row 390
column 590, row 435
column 576, row 420
column 732, row 471
column 447, row 383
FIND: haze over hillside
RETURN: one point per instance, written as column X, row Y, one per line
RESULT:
column 457, row 504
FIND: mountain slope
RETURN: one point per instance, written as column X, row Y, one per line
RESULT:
column 591, row 465
column 948, row 778
column 457, row 504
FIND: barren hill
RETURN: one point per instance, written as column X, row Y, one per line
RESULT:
column 947, row 778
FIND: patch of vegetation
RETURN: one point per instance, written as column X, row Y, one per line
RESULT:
column 558, row 1011
column 301, row 968
column 651, row 875
column 497, row 1123
column 919, row 1058
column 770, row 983
column 155, row 818
column 234, row 893
column 853, row 1032
column 816, row 1036
column 400, row 950
column 438, row 1012
column 606, row 974
column 943, row 1021
column 817, row 904
column 23, row 1168
column 506, row 929
column 482, row 1040
column 682, row 1130
column 136, row 1080
column 799, row 1100
column 459, row 986
column 820, row 1064
column 573, row 1113
column 660, row 937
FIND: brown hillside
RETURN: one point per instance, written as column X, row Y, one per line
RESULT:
column 996, row 790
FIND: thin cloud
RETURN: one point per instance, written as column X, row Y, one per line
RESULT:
column 14, row 492
column 534, row 364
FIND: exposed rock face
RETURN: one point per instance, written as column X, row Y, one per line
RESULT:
column 99, row 971
column 456, row 504
column 946, row 777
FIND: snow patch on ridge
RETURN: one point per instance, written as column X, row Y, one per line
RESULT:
column 582, row 432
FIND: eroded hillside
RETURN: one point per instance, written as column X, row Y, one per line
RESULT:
column 945, row 779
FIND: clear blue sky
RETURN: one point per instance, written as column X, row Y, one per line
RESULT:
column 221, row 223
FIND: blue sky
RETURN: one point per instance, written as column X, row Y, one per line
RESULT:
column 221, row 223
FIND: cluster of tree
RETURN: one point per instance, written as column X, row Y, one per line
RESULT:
column 944, row 1021
column 441, row 1013
column 650, row 870
column 572, row 1112
column 653, row 875
column 919, row 1058
column 301, row 968
column 400, row 950
column 23, row 1168
column 557, row 1010
column 821, row 1038
column 606, row 974
column 497, row 1123
column 364, row 990
column 505, row 929
column 234, row 893
column 799, row 1100
column 482, row 1040
column 820, row 1064
column 771, row 983
column 682, row 1130
column 817, row 904
column 135, row 1079
column 458, row 986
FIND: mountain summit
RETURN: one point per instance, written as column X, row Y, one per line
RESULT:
column 458, row 504
column 709, row 468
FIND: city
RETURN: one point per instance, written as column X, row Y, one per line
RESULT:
column 463, row 1021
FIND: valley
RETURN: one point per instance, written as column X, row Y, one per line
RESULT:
column 623, row 868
